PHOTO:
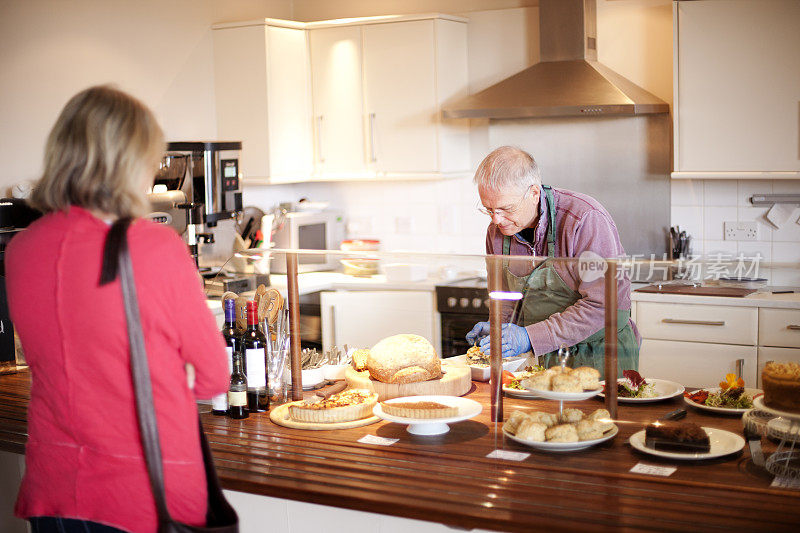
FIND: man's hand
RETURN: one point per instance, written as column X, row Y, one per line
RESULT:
column 478, row 331
column 515, row 340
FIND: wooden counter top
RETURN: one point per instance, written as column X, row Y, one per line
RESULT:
column 448, row 478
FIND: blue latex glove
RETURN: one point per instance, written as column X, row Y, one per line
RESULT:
column 478, row 331
column 515, row 340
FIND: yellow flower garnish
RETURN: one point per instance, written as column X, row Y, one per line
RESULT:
column 731, row 382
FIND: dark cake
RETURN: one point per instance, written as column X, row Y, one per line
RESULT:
column 684, row 437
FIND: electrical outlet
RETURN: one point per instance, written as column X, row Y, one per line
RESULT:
column 741, row 231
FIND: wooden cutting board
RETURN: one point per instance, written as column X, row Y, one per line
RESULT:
column 280, row 415
column 456, row 381
column 735, row 292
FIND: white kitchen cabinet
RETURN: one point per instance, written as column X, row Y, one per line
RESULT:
column 695, row 364
column 338, row 101
column 261, row 79
column 378, row 87
column 410, row 69
column 362, row 318
column 779, row 327
column 698, row 323
column 737, row 89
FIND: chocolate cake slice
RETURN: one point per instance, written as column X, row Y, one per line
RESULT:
column 685, row 437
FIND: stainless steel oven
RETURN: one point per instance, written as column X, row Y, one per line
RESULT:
column 461, row 304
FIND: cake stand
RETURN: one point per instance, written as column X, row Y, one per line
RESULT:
column 785, row 462
column 561, row 397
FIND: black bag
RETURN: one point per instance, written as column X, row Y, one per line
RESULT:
column 220, row 518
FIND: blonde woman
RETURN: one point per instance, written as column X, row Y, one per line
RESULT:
column 85, row 468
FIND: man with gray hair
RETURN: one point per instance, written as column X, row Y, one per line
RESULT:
column 558, row 307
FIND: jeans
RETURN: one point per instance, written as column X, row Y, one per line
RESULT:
column 50, row 524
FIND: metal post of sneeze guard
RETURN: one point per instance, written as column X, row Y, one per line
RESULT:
column 294, row 325
column 495, row 336
column 611, row 337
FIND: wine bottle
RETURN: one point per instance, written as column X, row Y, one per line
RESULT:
column 254, row 346
column 237, row 391
column 219, row 403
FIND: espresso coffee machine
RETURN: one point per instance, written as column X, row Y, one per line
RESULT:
column 15, row 216
column 197, row 187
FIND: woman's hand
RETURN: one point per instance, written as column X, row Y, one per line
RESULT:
column 515, row 340
column 478, row 331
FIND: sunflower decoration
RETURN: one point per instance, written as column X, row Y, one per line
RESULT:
column 731, row 382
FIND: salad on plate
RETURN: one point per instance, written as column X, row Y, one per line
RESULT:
column 633, row 385
column 731, row 394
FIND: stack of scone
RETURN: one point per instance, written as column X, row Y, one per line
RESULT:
column 564, row 379
column 571, row 426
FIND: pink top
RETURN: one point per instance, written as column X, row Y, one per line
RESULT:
column 84, row 458
column 582, row 224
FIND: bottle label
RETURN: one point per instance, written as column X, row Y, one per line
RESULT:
column 237, row 398
column 256, row 367
column 219, row 402
column 229, row 351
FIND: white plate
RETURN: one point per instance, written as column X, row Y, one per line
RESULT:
column 759, row 404
column 482, row 373
column 432, row 426
column 664, row 390
column 724, row 410
column 563, row 446
column 722, row 443
column 549, row 394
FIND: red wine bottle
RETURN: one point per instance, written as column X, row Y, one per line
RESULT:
column 254, row 347
column 219, row 403
column 237, row 391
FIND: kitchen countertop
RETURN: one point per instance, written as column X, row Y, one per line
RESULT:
column 449, row 478
column 756, row 299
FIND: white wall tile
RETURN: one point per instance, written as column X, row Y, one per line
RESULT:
column 714, row 248
column 786, row 187
column 748, row 188
column 720, row 192
column 713, row 221
column 782, row 277
column 686, row 192
column 786, row 252
column 690, row 219
column 755, row 248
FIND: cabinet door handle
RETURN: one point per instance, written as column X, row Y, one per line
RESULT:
column 694, row 322
column 740, row 368
column 795, row 327
column 333, row 325
column 372, row 156
column 320, row 158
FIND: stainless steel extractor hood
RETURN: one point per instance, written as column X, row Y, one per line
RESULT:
column 568, row 81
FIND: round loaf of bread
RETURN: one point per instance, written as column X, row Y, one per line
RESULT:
column 404, row 358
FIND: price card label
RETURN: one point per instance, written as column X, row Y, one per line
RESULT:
column 653, row 470
column 374, row 439
column 785, row 483
column 508, row 455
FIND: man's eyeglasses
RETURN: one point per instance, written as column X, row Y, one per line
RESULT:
column 503, row 211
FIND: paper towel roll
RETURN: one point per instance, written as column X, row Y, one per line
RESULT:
column 778, row 214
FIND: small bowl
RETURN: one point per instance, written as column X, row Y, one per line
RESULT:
column 312, row 377
column 334, row 372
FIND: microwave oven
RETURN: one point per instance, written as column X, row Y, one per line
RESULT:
column 309, row 230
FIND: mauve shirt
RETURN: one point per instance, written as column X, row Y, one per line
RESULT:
column 582, row 224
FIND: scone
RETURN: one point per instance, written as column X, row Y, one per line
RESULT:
column 514, row 421
column 561, row 433
column 558, row 369
column 571, row 416
column 540, row 381
column 530, row 430
column 603, row 417
column 589, row 429
column 589, row 377
column 566, row 383
column 548, row 419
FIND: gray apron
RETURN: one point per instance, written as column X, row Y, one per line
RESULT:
column 545, row 293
